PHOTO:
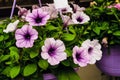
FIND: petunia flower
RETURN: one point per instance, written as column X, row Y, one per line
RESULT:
column 94, row 50
column 51, row 10
column 22, row 12
column 66, row 9
column 25, row 36
column 11, row 27
column 38, row 17
column 67, row 20
column 58, row 3
column 117, row 6
column 77, row 8
column 80, row 56
column 80, row 18
column 53, row 51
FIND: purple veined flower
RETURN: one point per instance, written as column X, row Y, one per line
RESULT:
column 94, row 50
column 80, row 56
column 22, row 11
column 77, row 8
column 25, row 36
column 80, row 18
column 51, row 10
column 67, row 20
column 38, row 17
column 53, row 51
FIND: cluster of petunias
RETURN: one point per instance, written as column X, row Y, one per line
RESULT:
column 54, row 50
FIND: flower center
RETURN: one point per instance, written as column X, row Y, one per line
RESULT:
column 38, row 19
column 51, row 51
column 79, row 19
column 27, row 36
column 90, row 50
column 78, row 56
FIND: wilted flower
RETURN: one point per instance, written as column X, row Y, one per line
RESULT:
column 11, row 27
column 80, row 56
column 67, row 20
column 77, row 8
column 80, row 18
column 37, row 18
column 51, row 10
column 53, row 51
column 22, row 11
column 94, row 50
column 25, row 36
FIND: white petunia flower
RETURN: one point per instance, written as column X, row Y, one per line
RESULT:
column 11, row 27
column 94, row 50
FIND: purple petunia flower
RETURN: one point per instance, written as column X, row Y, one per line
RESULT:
column 53, row 51
column 80, row 56
column 93, row 49
column 38, row 17
column 25, row 36
column 80, row 18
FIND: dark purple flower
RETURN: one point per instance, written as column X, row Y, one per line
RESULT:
column 25, row 36
column 38, row 17
column 53, row 51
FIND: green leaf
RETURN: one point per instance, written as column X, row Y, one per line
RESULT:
column 1, row 38
column 97, row 30
column 29, row 69
column 62, row 75
column 68, row 37
column 4, row 57
column 33, row 54
column 14, row 53
column 117, row 33
column 6, row 71
column 15, row 71
column 50, row 27
column 71, row 74
column 43, row 64
column 13, row 48
column 66, row 62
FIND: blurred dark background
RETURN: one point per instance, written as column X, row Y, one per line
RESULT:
column 6, row 5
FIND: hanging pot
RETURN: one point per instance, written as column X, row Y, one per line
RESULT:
column 110, row 62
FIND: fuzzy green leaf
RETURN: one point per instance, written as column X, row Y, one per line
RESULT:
column 117, row 33
column 1, row 38
column 43, row 64
column 29, row 69
column 4, row 57
column 71, row 74
column 33, row 54
column 15, row 71
column 68, row 37
column 6, row 71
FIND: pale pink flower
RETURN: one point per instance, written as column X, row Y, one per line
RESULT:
column 94, row 50
column 80, row 56
column 53, row 51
